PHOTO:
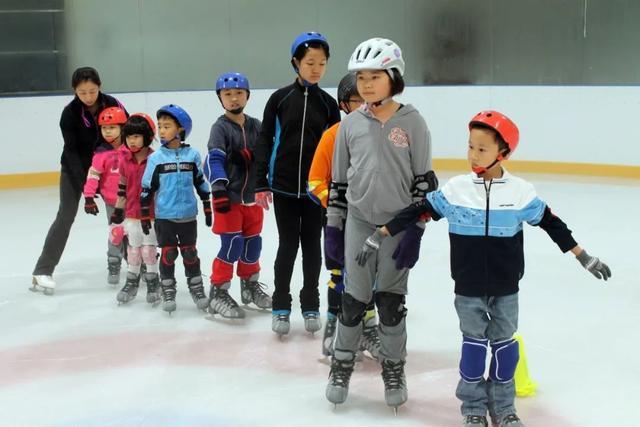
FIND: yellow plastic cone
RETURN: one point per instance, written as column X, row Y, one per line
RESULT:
column 525, row 386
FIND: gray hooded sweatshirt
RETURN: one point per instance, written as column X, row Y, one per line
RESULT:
column 379, row 163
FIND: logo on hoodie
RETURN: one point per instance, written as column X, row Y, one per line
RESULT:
column 399, row 137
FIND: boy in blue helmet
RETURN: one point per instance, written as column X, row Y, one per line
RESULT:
column 229, row 167
column 294, row 119
column 168, row 179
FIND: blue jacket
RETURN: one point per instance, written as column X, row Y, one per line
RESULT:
column 170, row 176
column 485, row 229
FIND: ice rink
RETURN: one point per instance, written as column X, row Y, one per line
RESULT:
column 79, row 359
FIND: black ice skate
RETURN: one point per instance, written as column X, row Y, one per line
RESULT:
column 130, row 289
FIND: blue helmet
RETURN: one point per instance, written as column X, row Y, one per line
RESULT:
column 309, row 37
column 232, row 81
column 180, row 116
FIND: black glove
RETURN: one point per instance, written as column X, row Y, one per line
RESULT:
column 206, row 204
column 594, row 265
column 145, row 220
column 90, row 206
column 117, row 217
column 221, row 201
column 241, row 157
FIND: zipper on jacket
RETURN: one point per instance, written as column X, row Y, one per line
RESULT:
column 246, row 167
column 178, row 174
column 304, row 116
column 486, row 219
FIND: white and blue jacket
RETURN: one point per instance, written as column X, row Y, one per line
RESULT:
column 485, row 229
column 170, row 176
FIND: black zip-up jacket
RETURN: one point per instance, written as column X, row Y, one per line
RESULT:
column 285, row 151
column 81, row 136
column 224, row 166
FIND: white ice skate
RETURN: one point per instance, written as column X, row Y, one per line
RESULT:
column 395, row 383
column 312, row 322
column 475, row 421
column 44, row 283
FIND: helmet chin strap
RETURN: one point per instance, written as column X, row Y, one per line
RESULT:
column 379, row 103
column 134, row 149
column 235, row 111
column 167, row 142
column 110, row 141
column 481, row 170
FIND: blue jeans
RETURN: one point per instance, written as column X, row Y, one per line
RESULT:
column 495, row 319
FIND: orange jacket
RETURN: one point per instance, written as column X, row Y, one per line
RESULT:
column 320, row 171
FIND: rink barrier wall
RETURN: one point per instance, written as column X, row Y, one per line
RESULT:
column 569, row 130
column 29, row 180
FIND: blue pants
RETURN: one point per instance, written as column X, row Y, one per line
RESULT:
column 495, row 319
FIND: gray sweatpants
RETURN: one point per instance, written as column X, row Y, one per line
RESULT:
column 495, row 319
column 381, row 270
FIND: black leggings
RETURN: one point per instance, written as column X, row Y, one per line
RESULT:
column 299, row 223
column 58, row 233
column 173, row 236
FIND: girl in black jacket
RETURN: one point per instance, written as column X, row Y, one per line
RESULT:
column 80, row 133
column 294, row 119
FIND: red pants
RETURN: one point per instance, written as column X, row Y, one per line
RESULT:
column 239, row 231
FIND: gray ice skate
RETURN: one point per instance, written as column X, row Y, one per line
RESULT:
column 475, row 421
column 280, row 322
column 44, row 283
column 510, row 420
column 312, row 322
column 339, row 377
column 153, row 287
column 168, row 287
column 252, row 291
column 223, row 304
column 113, row 265
column 196, row 289
column 130, row 289
column 370, row 341
column 395, row 383
column 329, row 333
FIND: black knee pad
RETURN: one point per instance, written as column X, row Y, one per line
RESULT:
column 352, row 310
column 189, row 254
column 391, row 309
column 169, row 255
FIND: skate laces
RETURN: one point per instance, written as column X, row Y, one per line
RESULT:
column 169, row 292
column 511, row 418
column 256, row 289
column 392, row 374
column 476, row 419
column 341, row 372
column 370, row 338
column 114, row 269
column 197, row 290
column 130, row 284
column 222, row 297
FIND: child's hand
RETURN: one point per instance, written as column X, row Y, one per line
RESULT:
column 408, row 250
column 221, row 202
column 594, row 265
column 117, row 217
column 90, row 206
column 371, row 245
column 206, row 205
column 263, row 199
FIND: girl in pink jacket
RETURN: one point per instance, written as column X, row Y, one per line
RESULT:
column 103, row 178
column 138, row 133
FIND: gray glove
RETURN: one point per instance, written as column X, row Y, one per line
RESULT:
column 594, row 265
column 371, row 245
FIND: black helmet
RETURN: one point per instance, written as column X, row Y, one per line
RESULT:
column 347, row 88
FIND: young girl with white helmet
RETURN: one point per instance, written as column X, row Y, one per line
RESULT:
column 381, row 162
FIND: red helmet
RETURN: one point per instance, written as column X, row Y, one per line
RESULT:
column 150, row 121
column 501, row 124
column 112, row 116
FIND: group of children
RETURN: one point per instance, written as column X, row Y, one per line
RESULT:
column 367, row 181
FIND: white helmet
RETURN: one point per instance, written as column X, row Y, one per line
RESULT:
column 377, row 54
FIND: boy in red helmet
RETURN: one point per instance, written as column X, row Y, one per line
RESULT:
column 103, row 178
column 486, row 210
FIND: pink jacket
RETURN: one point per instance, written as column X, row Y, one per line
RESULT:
column 104, row 174
column 132, row 172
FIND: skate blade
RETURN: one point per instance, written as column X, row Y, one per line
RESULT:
column 37, row 288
